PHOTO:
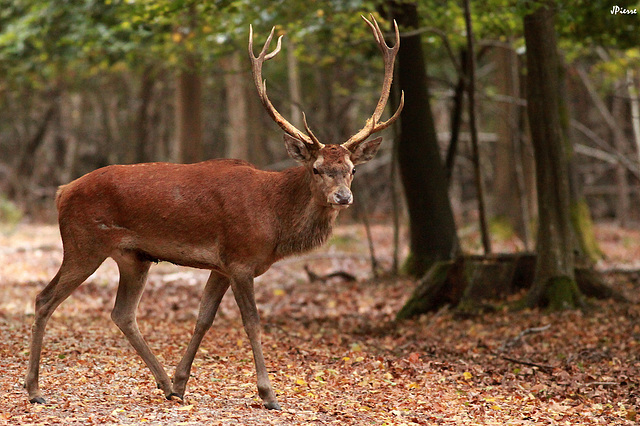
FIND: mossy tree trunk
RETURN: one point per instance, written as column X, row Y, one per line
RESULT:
column 433, row 234
column 587, row 249
column 554, row 285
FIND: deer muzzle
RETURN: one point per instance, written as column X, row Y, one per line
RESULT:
column 341, row 198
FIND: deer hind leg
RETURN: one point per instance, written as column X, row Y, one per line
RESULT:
column 244, row 295
column 215, row 289
column 71, row 274
column 133, row 276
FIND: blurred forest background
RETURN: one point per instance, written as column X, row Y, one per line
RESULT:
column 87, row 83
column 491, row 88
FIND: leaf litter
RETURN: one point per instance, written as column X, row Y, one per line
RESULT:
column 333, row 350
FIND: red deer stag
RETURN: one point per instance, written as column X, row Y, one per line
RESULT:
column 222, row 215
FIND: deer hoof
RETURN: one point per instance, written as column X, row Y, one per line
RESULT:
column 37, row 400
column 177, row 395
column 272, row 406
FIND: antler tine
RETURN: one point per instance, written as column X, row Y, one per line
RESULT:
column 261, row 85
column 389, row 55
column 313, row 137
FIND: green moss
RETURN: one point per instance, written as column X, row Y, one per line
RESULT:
column 418, row 265
column 583, row 227
column 562, row 293
column 518, row 304
column 427, row 294
column 501, row 228
column 414, row 307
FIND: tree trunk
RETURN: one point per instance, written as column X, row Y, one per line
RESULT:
column 456, row 118
column 25, row 163
column 238, row 140
column 634, row 102
column 262, row 152
column 295, row 91
column 554, row 284
column 587, row 250
column 509, row 207
column 472, row 284
column 432, row 228
column 473, row 129
column 67, row 137
column 142, row 120
column 620, row 145
column 188, row 143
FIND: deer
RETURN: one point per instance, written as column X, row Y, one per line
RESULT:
column 223, row 215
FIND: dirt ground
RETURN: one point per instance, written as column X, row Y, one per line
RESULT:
column 334, row 352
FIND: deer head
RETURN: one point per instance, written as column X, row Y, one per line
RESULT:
column 331, row 167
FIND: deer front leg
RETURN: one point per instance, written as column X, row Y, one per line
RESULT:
column 243, row 293
column 72, row 273
column 215, row 289
column 133, row 276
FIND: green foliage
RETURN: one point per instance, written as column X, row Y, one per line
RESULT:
column 590, row 23
column 10, row 214
column 589, row 31
column 47, row 40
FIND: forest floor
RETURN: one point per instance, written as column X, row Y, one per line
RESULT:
column 333, row 350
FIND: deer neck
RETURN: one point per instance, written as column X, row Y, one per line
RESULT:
column 304, row 222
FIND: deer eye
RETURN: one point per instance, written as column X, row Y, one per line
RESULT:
column 315, row 171
column 353, row 172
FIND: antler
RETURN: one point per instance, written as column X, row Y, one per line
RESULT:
column 389, row 55
column 261, row 85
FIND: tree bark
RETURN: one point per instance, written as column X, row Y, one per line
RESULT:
column 634, row 102
column 472, row 284
column 554, row 284
column 25, row 163
column 295, row 91
column 509, row 204
column 432, row 228
column 473, row 129
column 188, row 142
column 142, row 120
column 238, row 135
column 586, row 250
column 456, row 118
column 620, row 145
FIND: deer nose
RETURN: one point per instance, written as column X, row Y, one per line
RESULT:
column 343, row 196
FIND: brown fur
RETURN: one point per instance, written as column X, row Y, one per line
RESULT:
column 228, row 210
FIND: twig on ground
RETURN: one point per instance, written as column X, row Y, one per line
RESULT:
column 321, row 256
column 513, row 342
column 313, row 277
column 543, row 367
column 516, row 340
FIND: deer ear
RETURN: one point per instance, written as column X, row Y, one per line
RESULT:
column 297, row 149
column 365, row 151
